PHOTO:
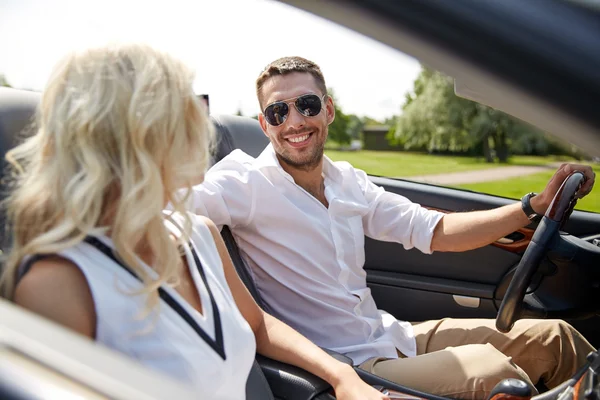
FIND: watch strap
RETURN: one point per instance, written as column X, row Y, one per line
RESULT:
column 527, row 209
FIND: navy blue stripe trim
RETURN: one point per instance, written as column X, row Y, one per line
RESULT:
column 217, row 344
column 27, row 265
column 215, row 308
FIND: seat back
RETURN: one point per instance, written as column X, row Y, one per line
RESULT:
column 17, row 110
column 234, row 132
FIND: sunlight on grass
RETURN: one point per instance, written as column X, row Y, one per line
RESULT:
column 403, row 164
column 534, row 161
column 395, row 164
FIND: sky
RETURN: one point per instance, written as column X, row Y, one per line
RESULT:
column 226, row 42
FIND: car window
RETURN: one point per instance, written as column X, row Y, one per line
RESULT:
column 394, row 117
column 440, row 138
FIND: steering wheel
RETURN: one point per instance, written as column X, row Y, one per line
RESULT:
column 556, row 215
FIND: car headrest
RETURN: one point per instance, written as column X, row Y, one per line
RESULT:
column 17, row 110
column 235, row 132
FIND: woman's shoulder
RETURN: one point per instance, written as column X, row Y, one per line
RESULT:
column 56, row 288
column 202, row 221
column 207, row 232
column 199, row 224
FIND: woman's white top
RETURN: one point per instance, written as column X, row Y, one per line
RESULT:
column 216, row 359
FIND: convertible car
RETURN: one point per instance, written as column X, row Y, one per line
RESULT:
column 539, row 61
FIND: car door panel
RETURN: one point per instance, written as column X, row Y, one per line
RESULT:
column 420, row 305
column 414, row 286
column 484, row 265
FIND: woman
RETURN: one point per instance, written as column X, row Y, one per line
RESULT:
column 120, row 133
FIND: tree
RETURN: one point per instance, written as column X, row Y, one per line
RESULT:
column 355, row 126
column 436, row 120
column 339, row 128
column 3, row 81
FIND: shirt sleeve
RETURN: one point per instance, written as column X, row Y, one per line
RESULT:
column 227, row 194
column 394, row 218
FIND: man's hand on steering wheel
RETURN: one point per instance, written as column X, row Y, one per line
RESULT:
column 541, row 202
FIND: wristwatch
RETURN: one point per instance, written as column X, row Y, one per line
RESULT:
column 527, row 209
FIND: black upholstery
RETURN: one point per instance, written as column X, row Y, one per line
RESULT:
column 282, row 377
column 257, row 387
column 17, row 110
column 240, row 266
column 235, row 132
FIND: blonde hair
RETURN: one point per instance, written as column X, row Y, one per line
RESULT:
column 120, row 134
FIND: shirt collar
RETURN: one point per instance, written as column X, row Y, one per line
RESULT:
column 268, row 159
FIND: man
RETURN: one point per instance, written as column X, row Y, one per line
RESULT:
column 300, row 220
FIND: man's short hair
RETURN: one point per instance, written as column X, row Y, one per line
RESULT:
column 288, row 65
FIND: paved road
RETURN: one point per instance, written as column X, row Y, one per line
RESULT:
column 484, row 175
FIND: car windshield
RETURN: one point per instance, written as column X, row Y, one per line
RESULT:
column 394, row 117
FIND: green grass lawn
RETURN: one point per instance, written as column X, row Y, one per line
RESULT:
column 515, row 188
column 404, row 164
column 395, row 164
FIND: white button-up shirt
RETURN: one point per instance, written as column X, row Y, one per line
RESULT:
column 307, row 260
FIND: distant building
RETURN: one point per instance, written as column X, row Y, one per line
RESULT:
column 375, row 138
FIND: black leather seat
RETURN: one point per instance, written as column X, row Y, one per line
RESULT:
column 243, row 133
column 232, row 133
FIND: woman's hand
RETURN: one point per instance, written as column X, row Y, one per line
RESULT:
column 349, row 386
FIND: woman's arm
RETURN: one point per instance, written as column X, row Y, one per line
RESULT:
column 278, row 341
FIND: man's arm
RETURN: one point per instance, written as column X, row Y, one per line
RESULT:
column 470, row 230
column 466, row 231
column 227, row 194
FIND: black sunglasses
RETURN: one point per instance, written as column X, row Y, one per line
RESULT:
column 308, row 105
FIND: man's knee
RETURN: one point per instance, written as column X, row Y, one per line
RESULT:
column 487, row 368
column 563, row 336
column 568, row 342
column 553, row 328
column 465, row 372
column 495, row 366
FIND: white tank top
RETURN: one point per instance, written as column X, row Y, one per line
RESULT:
column 216, row 365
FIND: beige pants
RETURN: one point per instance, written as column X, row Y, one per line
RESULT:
column 466, row 358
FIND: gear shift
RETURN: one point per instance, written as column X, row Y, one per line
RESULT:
column 511, row 389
